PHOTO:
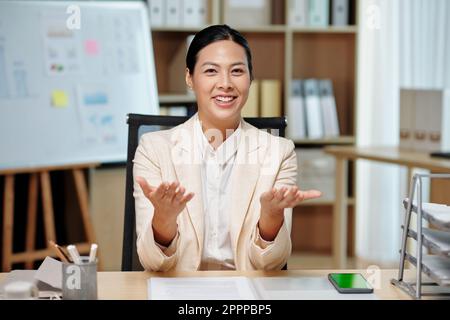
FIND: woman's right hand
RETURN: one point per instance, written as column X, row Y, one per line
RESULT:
column 169, row 200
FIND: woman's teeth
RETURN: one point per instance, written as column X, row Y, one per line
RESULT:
column 224, row 99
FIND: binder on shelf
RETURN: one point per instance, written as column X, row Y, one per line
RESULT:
column 298, row 13
column 156, row 12
column 438, row 129
column 251, row 107
column 178, row 111
column 296, row 128
column 177, row 67
column 238, row 13
column 173, row 13
column 407, row 113
column 202, row 12
column 318, row 13
column 423, row 110
column 163, row 110
column 194, row 13
column 270, row 98
column 429, row 123
column 340, row 12
column 278, row 12
column 313, row 109
column 329, row 111
column 173, row 111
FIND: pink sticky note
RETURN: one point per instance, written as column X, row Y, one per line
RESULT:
column 91, row 47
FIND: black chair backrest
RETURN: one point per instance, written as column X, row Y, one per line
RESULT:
column 139, row 124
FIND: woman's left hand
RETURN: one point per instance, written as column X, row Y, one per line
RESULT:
column 274, row 202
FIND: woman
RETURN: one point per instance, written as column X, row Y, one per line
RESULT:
column 216, row 193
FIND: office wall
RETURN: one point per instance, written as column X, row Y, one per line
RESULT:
column 107, row 192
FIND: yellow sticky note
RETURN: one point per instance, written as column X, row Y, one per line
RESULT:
column 60, row 99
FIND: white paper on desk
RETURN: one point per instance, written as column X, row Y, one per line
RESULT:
column 302, row 288
column 45, row 290
column 50, row 272
column 207, row 288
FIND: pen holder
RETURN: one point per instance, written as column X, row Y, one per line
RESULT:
column 79, row 281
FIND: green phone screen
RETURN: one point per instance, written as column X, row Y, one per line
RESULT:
column 350, row 280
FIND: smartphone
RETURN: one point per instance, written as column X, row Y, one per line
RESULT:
column 350, row 283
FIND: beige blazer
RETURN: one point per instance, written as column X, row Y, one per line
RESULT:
column 263, row 161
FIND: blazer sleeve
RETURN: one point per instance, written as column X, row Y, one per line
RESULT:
column 275, row 255
column 151, row 256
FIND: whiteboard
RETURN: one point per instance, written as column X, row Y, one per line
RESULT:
column 67, row 81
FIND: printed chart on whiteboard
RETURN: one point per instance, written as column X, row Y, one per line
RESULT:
column 65, row 92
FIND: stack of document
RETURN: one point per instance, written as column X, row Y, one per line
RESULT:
column 244, row 288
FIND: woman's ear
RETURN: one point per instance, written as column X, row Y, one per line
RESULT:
column 188, row 78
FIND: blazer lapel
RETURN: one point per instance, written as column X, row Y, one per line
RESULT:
column 187, row 164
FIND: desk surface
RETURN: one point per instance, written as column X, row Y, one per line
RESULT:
column 133, row 285
column 391, row 155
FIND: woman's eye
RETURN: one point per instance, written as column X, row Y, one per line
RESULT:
column 238, row 71
column 210, row 71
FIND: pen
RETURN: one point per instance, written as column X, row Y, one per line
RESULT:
column 59, row 252
column 74, row 254
column 93, row 252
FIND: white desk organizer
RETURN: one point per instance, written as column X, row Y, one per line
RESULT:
column 436, row 263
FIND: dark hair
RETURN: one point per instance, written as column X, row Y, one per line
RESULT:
column 212, row 34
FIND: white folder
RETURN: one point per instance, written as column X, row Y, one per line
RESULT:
column 296, row 128
column 318, row 13
column 298, row 13
column 329, row 112
column 340, row 13
column 173, row 13
column 156, row 11
column 313, row 109
column 194, row 13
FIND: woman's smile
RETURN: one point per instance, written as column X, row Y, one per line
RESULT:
column 225, row 101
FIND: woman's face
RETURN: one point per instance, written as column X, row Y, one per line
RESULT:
column 221, row 82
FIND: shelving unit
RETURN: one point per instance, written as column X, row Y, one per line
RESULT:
column 295, row 52
column 436, row 263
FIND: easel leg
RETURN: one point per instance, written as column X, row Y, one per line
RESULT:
column 31, row 217
column 47, row 202
column 82, row 194
column 8, row 222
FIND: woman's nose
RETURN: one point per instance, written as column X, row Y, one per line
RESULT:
column 224, row 82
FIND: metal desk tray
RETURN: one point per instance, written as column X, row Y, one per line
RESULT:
column 436, row 214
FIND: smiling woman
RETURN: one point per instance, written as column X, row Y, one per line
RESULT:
column 219, row 70
column 241, row 180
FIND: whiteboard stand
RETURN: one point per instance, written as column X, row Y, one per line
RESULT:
column 42, row 176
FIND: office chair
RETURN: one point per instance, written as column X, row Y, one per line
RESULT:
column 139, row 124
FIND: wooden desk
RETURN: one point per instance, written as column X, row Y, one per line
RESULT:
column 133, row 285
column 393, row 155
